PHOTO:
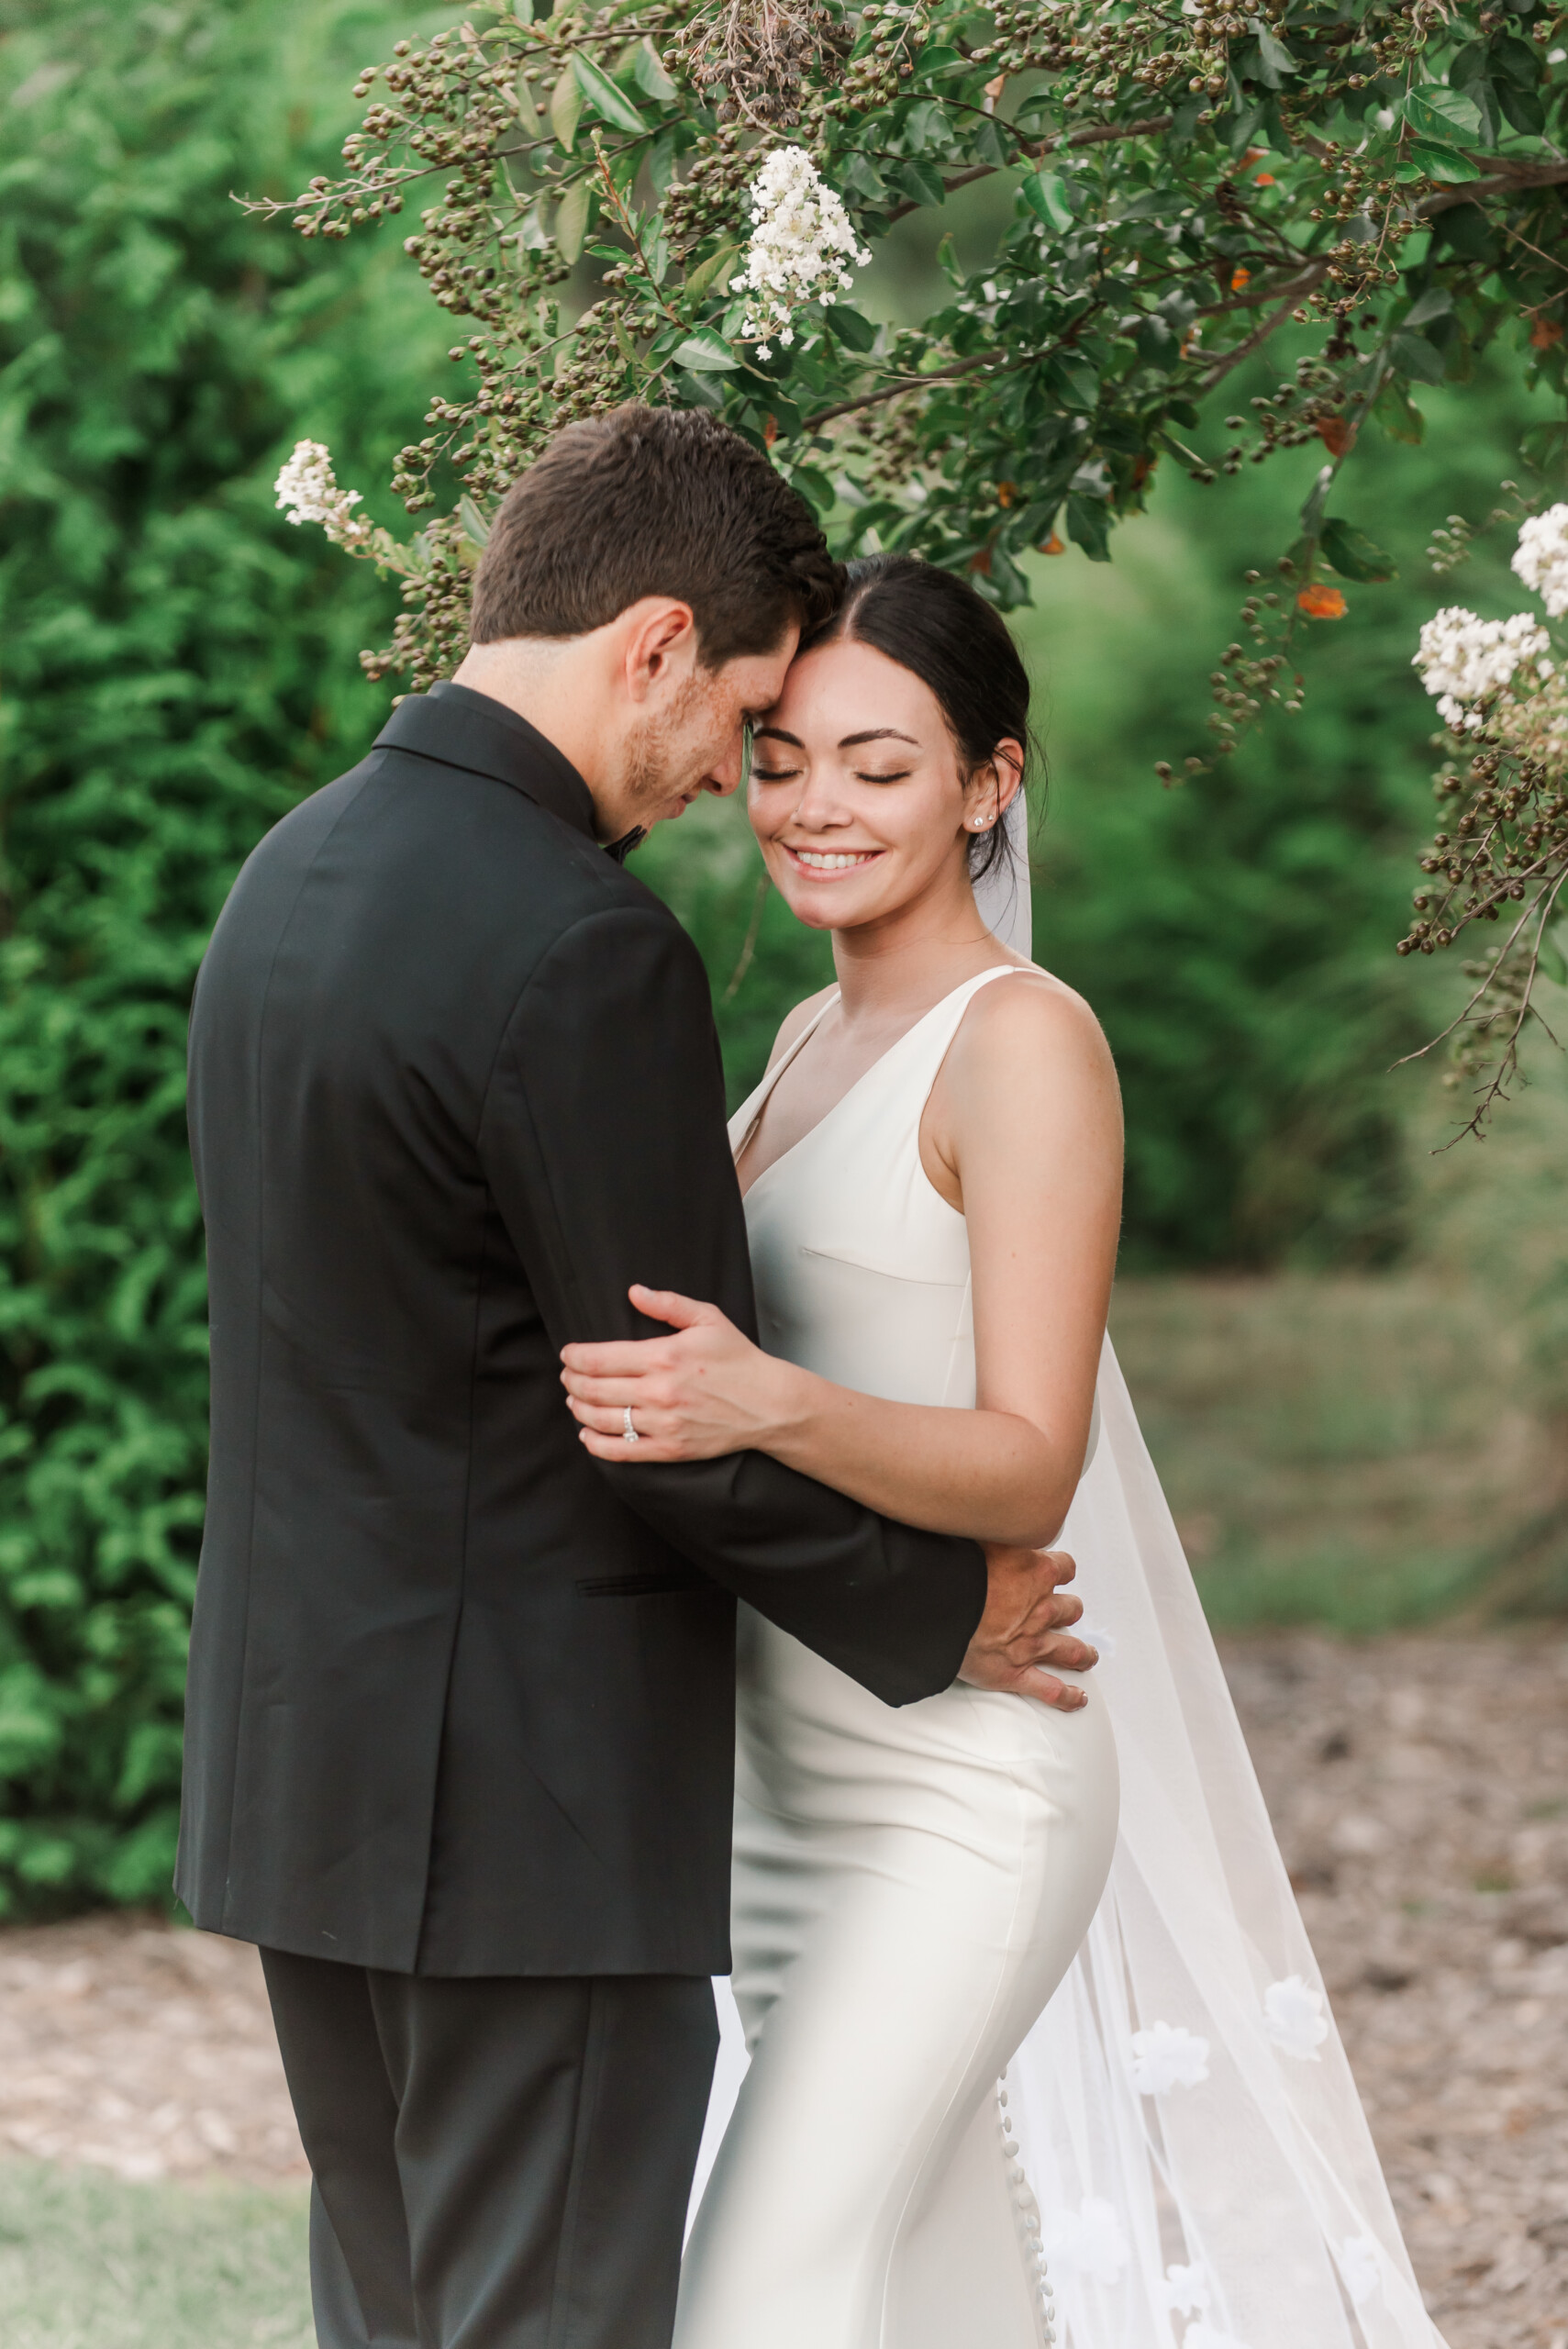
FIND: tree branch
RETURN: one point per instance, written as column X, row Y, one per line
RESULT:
column 1522, row 175
column 1260, row 334
column 1091, row 135
column 896, row 391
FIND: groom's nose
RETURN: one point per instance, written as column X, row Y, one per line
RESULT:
column 724, row 775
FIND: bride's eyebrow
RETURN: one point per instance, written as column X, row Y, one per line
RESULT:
column 877, row 734
column 776, row 734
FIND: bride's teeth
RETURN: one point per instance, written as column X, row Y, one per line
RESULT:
column 822, row 862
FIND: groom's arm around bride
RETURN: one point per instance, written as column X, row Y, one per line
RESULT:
column 461, row 1710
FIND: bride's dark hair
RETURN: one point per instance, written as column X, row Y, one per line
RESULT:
column 936, row 626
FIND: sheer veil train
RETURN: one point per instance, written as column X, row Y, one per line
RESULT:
column 1185, row 2118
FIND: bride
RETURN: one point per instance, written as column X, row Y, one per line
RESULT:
column 1027, row 2063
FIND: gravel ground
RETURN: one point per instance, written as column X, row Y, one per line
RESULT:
column 1419, row 1786
column 1420, row 1789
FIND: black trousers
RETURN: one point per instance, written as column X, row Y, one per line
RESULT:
column 498, row 2163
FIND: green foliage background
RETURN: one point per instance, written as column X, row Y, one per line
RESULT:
column 177, row 666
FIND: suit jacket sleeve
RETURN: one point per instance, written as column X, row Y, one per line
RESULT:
column 604, row 1142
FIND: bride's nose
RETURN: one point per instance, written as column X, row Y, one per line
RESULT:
column 820, row 807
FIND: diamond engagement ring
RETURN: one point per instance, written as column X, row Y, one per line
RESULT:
column 628, row 1431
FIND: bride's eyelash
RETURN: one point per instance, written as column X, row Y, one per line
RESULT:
column 897, row 774
column 773, row 775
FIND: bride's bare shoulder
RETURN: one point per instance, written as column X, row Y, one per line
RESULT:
column 793, row 1021
column 1035, row 1022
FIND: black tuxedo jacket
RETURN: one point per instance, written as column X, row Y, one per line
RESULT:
column 461, row 1697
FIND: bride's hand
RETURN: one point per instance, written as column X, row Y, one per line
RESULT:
column 706, row 1391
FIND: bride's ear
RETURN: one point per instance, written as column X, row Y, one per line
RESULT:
column 993, row 786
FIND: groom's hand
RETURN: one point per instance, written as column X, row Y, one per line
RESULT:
column 1023, row 1632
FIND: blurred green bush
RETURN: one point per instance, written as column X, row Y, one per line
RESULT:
column 179, row 667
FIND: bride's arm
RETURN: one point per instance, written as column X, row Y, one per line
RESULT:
column 1023, row 1131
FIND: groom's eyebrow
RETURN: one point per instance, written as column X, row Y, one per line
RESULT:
column 875, row 734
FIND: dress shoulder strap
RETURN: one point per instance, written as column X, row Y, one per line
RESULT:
column 924, row 1047
column 743, row 1124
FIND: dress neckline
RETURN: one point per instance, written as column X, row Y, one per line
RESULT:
column 980, row 978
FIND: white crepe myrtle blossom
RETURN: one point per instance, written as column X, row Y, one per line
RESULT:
column 1293, row 2017
column 1541, row 558
column 1463, row 659
column 801, row 247
column 1362, row 2269
column 308, row 492
column 1167, row 2056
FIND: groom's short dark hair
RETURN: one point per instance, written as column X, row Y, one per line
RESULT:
column 654, row 501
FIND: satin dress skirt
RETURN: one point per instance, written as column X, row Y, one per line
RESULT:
column 910, row 1886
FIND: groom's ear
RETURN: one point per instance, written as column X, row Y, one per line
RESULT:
column 659, row 645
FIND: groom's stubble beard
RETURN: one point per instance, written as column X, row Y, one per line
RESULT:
column 674, row 753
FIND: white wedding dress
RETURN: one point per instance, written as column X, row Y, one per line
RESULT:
column 929, row 1955
column 910, row 1884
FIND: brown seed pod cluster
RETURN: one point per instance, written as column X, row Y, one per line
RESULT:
column 755, row 57
column 1500, row 856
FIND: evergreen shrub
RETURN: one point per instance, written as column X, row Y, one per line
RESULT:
column 176, row 668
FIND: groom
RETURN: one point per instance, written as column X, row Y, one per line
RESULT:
column 461, row 1713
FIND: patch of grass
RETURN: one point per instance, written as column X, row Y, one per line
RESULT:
column 89, row 2263
column 1361, row 1451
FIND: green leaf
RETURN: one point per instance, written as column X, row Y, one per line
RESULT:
column 1353, row 555
column 947, row 261
column 1079, row 384
column 1045, row 193
column 475, row 528
column 1464, row 228
column 1447, row 115
column 1444, row 164
column 648, row 71
column 713, row 274
column 854, row 331
column 1088, row 526
column 919, row 181
column 571, row 220
column 856, row 178
column 1273, row 57
column 1523, row 109
column 815, row 486
column 1413, row 355
column 706, row 353
column 1544, row 446
column 566, row 108
column 1009, row 586
column 1551, row 959
column 1437, row 302
column 602, row 95
column 1399, row 415
column 1515, row 61
column 990, row 147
